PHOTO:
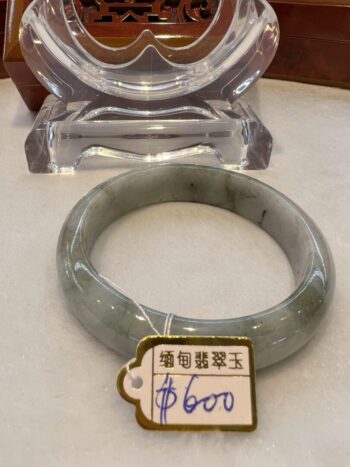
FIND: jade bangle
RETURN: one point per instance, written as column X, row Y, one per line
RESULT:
column 116, row 320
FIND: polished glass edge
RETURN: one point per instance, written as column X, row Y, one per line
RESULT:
column 57, row 49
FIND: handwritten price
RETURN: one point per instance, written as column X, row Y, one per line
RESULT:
column 167, row 397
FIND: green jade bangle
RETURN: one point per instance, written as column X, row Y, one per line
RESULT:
column 117, row 321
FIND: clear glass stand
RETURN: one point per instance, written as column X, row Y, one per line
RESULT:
column 106, row 132
column 165, row 87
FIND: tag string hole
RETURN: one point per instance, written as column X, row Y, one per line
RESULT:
column 137, row 382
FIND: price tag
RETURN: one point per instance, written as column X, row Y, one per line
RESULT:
column 192, row 383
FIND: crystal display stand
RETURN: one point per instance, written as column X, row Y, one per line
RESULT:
column 142, row 82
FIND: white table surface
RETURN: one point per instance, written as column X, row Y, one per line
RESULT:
column 58, row 404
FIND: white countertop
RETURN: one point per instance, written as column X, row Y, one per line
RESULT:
column 58, row 404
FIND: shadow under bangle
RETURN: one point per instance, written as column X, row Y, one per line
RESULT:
column 117, row 321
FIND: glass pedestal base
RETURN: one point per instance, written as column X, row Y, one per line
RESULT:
column 106, row 132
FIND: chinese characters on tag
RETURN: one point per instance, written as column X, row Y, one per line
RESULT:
column 193, row 383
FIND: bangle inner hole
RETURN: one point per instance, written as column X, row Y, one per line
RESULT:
column 194, row 260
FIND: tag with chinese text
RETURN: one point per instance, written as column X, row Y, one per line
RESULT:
column 192, row 383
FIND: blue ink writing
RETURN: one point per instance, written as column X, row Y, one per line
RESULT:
column 190, row 402
column 166, row 398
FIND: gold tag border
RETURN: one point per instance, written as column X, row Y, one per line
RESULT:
column 152, row 341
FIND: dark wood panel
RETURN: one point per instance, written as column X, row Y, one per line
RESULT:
column 3, row 72
column 314, row 45
column 315, row 42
